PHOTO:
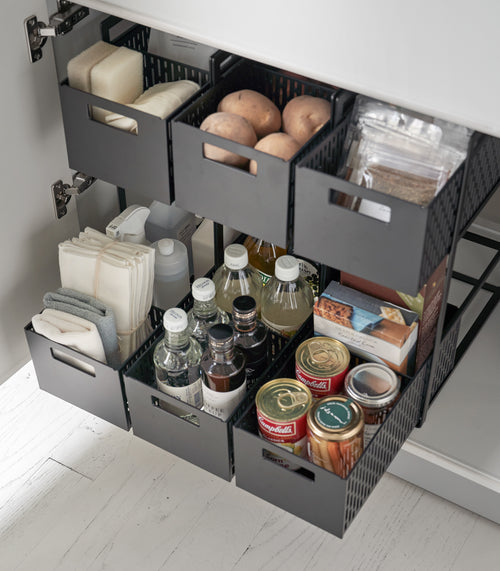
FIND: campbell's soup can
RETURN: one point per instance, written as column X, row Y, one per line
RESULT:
column 321, row 363
column 282, row 406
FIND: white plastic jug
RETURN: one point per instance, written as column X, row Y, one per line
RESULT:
column 171, row 281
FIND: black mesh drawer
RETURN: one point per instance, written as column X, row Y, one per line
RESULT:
column 401, row 254
column 256, row 205
column 142, row 162
column 312, row 493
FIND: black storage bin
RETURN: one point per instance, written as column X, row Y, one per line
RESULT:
column 313, row 493
column 401, row 254
column 142, row 162
column 61, row 371
column 256, row 205
column 202, row 439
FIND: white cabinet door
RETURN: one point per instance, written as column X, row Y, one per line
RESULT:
column 32, row 157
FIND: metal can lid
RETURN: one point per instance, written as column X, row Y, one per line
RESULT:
column 335, row 418
column 283, row 400
column 372, row 385
column 322, row 356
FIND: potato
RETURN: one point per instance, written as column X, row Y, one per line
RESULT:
column 257, row 108
column 280, row 145
column 304, row 115
column 229, row 126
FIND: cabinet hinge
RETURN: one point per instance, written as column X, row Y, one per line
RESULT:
column 60, row 23
column 62, row 193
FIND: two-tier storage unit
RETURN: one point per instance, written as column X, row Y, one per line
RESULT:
column 289, row 203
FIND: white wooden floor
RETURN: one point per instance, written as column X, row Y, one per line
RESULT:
column 77, row 493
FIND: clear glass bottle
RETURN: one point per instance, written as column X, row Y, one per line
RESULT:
column 204, row 312
column 223, row 364
column 250, row 335
column 236, row 277
column 262, row 256
column 287, row 300
column 177, row 360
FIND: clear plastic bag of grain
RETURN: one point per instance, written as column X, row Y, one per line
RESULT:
column 399, row 152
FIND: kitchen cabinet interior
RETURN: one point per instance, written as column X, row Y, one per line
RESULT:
column 319, row 72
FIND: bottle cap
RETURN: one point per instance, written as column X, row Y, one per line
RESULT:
column 175, row 320
column 235, row 256
column 220, row 337
column 203, row 289
column 244, row 308
column 287, row 268
column 166, row 246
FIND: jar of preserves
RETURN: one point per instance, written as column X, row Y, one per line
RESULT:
column 335, row 434
column 375, row 388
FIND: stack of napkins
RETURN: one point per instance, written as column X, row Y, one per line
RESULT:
column 116, row 73
column 119, row 274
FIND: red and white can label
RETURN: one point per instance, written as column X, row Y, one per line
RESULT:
column 321, row 386
column 282, row 432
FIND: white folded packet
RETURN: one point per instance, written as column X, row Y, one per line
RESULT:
column 71, row 331
column 159, row 100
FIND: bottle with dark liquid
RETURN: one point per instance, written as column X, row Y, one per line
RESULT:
column 223, row 364
column 250, row 335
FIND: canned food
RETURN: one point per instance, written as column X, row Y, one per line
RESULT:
column 335, row 434
column 375, row 388
column 282, row 406
column 321, row 363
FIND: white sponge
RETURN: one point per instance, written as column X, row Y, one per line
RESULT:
column 79, row 67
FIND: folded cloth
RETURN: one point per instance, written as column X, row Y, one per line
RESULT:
column 159, row 100
column 91, row 309
column 70, row 331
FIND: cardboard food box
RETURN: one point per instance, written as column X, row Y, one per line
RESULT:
column 426, row 304
column 373, row 329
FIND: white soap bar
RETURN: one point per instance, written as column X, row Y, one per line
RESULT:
column 118, row 77
column 79, row 67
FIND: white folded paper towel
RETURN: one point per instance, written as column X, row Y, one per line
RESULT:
column 120, row 274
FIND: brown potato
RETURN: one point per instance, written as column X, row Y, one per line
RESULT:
column 257, row 108
column 229, row 126
column 278, row 144
column 304, row 115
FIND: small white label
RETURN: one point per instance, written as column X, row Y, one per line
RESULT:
column 191, row 394
column 220, row 404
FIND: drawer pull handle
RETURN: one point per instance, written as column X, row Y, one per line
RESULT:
column 363, row 206
column 72, row 361
column 175, row 410
column 286, row 464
